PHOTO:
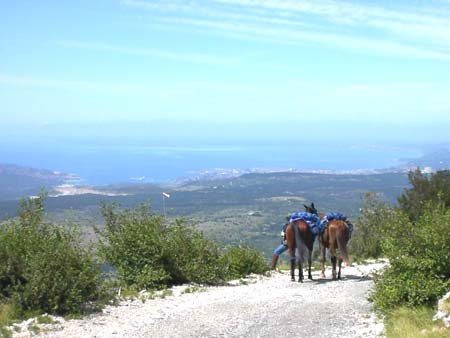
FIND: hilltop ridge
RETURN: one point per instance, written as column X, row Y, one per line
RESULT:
column 19, row 181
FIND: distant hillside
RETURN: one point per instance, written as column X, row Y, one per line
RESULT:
column 245, row 209
column 250, row 208
column 438, row 159
column 17, row 181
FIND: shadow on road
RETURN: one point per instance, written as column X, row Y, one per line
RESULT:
column 343, row 279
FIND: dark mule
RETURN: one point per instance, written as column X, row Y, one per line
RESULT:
column 335, row 236
column 299, row 235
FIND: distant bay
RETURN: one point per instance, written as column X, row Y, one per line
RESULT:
column 105, row 164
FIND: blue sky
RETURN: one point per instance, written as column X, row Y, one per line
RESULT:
column 361, row 63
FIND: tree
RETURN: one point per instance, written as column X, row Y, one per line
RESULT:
column 425, row 188
column 370, row 227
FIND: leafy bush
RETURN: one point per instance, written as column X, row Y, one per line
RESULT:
column 133, row 242
column 45, row 267
column 419, row 255
column 240, row 261
column 148, row 253
column 370, row 228
column 414, row 237
column 425, row 188
column 191, row 256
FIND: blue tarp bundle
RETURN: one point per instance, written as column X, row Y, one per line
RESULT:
column 312, row 220
column 335, row 216
column 330, row 216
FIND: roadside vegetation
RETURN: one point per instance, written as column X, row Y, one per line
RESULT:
column 150, row 253
column 250, row 208
column 407, row 322
column 414, row 237
column 48, row 268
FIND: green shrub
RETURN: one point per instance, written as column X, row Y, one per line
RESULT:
column 240, row 261
column 425, row 188
column 150, row 254
column 133, row 242
column 419, row 255
column 191, row 256
column 370, row 228
column 44, row 267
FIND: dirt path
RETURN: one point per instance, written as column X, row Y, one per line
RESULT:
column 266, row 307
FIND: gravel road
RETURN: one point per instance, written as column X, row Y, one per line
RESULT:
column 265, row 307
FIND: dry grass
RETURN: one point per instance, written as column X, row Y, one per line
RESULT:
column 7, row 315
column 414, row 323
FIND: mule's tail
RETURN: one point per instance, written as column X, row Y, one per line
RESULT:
column 342, row 245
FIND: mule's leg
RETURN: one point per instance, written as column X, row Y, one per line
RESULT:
column 300, row 271
column 339, row 271
column 333, row 259
column 309, row 264
column 333, row 269
column 301, row 257
column 292, row 259
column 300, row 264
column 333, row 245
column 323, row 254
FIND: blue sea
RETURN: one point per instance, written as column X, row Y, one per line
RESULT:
column 105, row 164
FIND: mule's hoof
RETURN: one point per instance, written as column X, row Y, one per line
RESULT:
column 292, row 279
column 310, row 278
column 300, row 280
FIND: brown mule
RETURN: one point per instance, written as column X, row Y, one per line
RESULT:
column 335, row 236
column 299, row 235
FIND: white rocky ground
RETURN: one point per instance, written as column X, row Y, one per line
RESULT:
column 258, row 307
column 443, row 312
column 70, row 190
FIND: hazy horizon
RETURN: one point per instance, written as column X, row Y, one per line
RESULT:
column 229, row 73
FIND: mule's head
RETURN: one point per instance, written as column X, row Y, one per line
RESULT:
column 311, row 209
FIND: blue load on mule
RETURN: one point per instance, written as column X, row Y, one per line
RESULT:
column 311, row 219
column 330, row 216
